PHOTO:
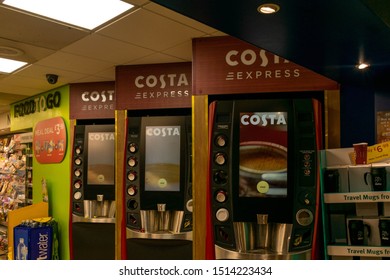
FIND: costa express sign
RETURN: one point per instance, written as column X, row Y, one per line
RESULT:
column 224, row 65
column 154, row 86
column 92, row 100
column 37, row 104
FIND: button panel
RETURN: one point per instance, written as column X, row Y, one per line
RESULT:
column 133, row 201
column 77, row 172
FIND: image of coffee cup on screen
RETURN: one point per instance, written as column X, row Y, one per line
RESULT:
column 263, row 170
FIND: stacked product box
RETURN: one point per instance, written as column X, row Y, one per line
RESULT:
column 33, row 241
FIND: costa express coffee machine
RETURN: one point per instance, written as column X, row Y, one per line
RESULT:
column 92, row 229
column 263, row 178
column 158, row 188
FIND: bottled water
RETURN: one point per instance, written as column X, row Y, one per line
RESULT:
column 22, row 250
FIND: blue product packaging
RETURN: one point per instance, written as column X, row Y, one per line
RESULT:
column 41, row 243
column 37, row 241
column 21, row 240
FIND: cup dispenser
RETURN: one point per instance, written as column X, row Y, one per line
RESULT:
column 158, row 192
column 93, row 193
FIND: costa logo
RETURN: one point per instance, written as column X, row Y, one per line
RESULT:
column 161, row 81
column 250, row 57
column 163, row 131
column 101, row 136
column 96, row 96
column 264, row 119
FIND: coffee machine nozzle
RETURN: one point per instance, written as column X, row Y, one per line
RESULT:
column 161, row 207
column 262, row 219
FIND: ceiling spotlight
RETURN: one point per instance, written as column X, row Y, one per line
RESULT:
column 362, row 66
column 269, row 8
column 9, row 51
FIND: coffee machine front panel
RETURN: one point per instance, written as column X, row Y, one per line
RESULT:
column 263, row 176
column 93, row 172
column 158, row 183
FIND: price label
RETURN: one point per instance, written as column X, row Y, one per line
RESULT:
column 378, row 152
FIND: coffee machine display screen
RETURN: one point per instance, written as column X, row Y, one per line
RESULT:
column 162, row 158
column 263, row 154
column 101, row 158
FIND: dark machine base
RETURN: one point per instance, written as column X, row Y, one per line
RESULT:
column 93, row 241
column 158, row 249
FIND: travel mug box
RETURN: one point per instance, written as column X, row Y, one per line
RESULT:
column 363, row 231
column 357, row 182
column 338, row 182
column 33, row 243
column 386, row 165
column 337, row 229
column 374, row 238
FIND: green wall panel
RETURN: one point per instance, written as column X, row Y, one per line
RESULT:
column 25, row 115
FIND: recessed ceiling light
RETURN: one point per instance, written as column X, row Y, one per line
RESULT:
column 87, row 14
column 9, row 51
column 10, row 65
column 362, row 66
column 268, row 8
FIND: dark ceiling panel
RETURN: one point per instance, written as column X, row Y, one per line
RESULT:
column 329, row 37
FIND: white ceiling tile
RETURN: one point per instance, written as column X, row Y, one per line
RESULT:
column 146, row 29
column 158, row 9
column 74, row 63
column 183, row 51
column 106, row 49
column 28, row 29
column 157, row 58
column 30, row 53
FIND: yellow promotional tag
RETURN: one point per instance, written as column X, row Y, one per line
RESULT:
column 378, row 152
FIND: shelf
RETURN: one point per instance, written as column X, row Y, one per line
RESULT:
column 357, row 197
column 7, row 173
column 361, row 251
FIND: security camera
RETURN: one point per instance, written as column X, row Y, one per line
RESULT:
column 51, row 78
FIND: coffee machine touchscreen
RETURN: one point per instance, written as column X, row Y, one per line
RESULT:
column 263, row 154
column 162, row 158
column 101, row 158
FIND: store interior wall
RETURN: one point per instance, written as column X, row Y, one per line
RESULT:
column 357, row 115
column 57, row 175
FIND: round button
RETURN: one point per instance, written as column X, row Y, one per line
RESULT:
column 132, row 204
column 77, row 184
column 78, row 161
column 220, row 177
column 262, row 187
column 77, row 195
column 132, row 190
column 220, row 158
column 221, row 196
column 133, row 148
column 222, row 215
column 221, row 140
column 162, row 183
column 77, row 172
column 304, row 217
column 131, row 175
column 132, row 161
column 189, row 205
column 78, row 150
